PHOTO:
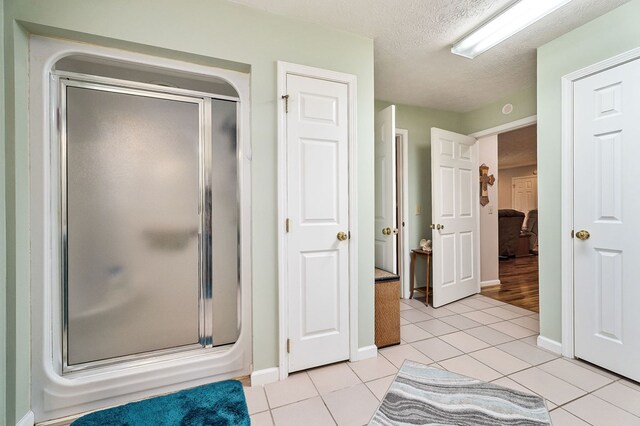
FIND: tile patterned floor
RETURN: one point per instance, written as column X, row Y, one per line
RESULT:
column 478, row 337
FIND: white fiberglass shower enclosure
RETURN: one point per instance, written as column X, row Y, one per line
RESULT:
column 144, row 191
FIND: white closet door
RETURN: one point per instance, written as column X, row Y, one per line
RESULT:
column 385, row 202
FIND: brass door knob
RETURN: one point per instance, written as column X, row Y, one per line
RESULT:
column 342, row 236
column 386, row 231
column 583, row 235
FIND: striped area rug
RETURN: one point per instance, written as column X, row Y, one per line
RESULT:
column 422, row 395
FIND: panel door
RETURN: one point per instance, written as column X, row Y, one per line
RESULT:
column 525, row 193
column 607, row 205
column 317, row 208
column 385, row 181
column 455, row 198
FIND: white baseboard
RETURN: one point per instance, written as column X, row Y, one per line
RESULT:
column 489, row 282
column 26, row 420
column 266, row 376
column 366, row 352
column 550, row 345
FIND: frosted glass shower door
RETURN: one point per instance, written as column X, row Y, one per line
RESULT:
column 133, row 223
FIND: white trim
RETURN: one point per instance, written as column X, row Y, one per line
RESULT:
column 266, row 376
column 513, row 125
column 567, row 302
column 550, row 345
column 54, row 396
column 26, row 420
column 489, row 282
column 284, row 68
column 404, row 250
column 365, row 352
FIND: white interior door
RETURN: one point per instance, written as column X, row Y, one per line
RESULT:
column 385, row 197
column 317, row 208
column 606, row 204
column 455, row 198
column 524, row 193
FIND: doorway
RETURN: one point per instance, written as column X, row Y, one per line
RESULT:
column 511, row 219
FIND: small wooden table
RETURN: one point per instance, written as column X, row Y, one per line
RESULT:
column 414, row 254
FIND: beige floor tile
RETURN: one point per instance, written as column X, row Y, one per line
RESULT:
column 501, row 312
column 500, row 361
column 436, row 327
column 459, row 308
column 489, row 335
column 470, row 367
column 463, row 341
column 550, row 405
column 595, row 369
column 482, row 317
column 333, row 377
column 352, row 406
column 413, row 303
column 476, row 304
column 492, row 302
column 398, row 354
column 531, row 340
column 460, row 322
column 379, row 387
column 535, row 316
column 295, row 388
column 413, row 333
column 373, row 368
column 518, row 310
column 528, row 322
column 574, row 374
column 261, row 419
column 527, row 353
column 621, row 396
column 438, row 312
column 548, row 386
column 404, row 307
column 629, row 383
column 562, row 417
column 601, row 413
column 436, row 349
column 256, row 399
column 404, row 321
column 508, row 383
column 414, row 315
column 513, row 330
column 308, row 412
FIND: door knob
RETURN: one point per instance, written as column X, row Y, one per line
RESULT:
column 433, row 226
column 439, row 227
column 386, row 231
column 583, row 235
column 342, row 236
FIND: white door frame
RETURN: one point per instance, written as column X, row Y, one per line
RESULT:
column 403, row 261
column 567, row 162
column 285, row 68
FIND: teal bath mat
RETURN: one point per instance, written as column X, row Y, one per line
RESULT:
column 217, row 404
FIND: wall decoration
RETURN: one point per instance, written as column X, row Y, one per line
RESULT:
column 485, row 181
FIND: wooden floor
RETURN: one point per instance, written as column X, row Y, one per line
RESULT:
column 518, row 283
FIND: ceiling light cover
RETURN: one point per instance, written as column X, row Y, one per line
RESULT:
column 502, row 26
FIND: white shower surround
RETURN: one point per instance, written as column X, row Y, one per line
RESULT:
column 53, row 395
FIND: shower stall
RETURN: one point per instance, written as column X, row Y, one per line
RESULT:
column 149, row 218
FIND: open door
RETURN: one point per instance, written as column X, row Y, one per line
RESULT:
column 385, row 172
column 455, row 193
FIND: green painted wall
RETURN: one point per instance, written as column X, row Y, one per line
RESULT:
column 3, row 260
column 202, row 31
column 488, row 116
column 419, row 121
column 606, row 36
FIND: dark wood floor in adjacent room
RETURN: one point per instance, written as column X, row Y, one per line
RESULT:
column 518, row 283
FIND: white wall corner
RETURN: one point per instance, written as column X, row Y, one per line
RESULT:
column 489, row 283
column 266, row 376
column 26, row 420
column 550, row 345
column 366, row 352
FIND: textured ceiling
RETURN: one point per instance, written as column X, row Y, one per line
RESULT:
column 413, row 62
column 517, row 148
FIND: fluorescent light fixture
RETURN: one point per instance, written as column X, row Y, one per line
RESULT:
column 502, row 26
